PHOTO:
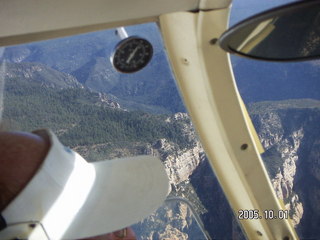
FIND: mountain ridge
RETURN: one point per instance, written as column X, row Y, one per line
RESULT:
column 87, row 58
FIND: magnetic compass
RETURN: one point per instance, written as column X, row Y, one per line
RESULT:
column 132, row 54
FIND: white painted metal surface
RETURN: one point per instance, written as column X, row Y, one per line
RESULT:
column 30, row 20
column 122, row 33
column 34, row 20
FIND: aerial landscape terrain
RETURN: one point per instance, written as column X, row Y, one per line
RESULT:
column 70, row 86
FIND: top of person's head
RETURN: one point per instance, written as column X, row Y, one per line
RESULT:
column 17, row 148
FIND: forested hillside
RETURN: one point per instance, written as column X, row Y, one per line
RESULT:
column 81, row 117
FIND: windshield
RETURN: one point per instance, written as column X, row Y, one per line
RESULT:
column 72, row 86
column 283, row 100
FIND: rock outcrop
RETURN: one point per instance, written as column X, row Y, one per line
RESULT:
column 273, row 135
column 179, row 163
column 292, row 158
column 289, row 131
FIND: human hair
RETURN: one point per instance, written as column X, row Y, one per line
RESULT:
column 7, row 194
column 21, row 155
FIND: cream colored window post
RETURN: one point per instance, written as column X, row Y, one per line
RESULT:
column 206, row 82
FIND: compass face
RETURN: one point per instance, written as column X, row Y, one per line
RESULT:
column 132, row 54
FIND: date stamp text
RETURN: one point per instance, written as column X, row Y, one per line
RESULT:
column 266, row 214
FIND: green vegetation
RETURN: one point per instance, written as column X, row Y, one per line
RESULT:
column 267, row 106
column 78, row 118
